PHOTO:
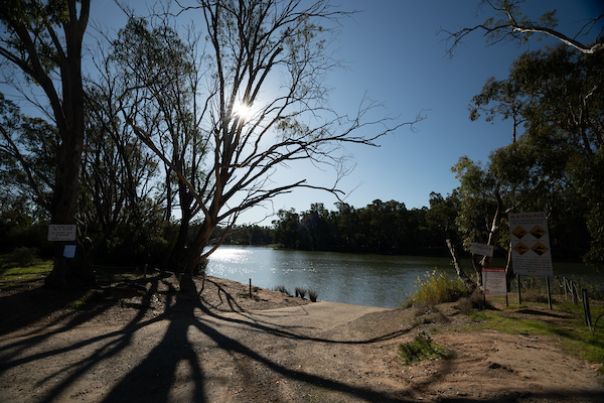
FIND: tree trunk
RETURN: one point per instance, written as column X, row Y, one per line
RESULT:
column 193, row 256
column 178, row 253
column 73, row 272
column 471, row 285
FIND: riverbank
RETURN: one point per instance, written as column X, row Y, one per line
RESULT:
column 170, row 339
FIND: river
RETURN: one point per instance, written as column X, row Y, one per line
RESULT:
column 373, row 280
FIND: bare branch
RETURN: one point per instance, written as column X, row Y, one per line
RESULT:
column 514, row 25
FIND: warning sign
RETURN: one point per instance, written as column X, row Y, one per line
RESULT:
column 493, row 281
column 531, row 253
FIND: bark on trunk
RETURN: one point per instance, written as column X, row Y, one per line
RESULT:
column 460, row 272
column 193, row 255
column 177, row 255
column 69, row 272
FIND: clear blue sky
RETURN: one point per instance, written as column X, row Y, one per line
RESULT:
column 395, row 53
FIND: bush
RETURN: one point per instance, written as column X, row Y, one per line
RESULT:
column 436, row 288
column 23, row 257
column 312, row 294
column 421, row 348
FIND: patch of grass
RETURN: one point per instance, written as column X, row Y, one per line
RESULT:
column 572, row 334
column 436, row 288
column 422, row 348
column 11, row 275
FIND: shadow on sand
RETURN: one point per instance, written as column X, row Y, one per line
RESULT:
column 152, row 378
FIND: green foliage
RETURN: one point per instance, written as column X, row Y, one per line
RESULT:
column 477, row 200
column 555, row 99
column 589, row 178
column 380, row 227
column 436, row 288
column 422, row 348
column 247, row 235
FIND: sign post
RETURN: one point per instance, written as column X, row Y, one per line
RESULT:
column 531, row 251
column 494, row 281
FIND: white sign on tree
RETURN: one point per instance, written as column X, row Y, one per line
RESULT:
column 531, row 251
column 61, row 232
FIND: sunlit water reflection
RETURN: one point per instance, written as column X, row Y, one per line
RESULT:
column 359, row 279
column 352, row 278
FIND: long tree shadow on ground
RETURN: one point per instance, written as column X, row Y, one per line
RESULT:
column 160, row 364
column 27, row 307
column 154, row 377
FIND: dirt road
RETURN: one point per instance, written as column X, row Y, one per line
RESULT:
column 210, row 342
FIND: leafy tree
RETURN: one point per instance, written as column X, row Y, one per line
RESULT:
column 441, row 219
column 556, row 95
column 559, row 94
column 43, row 40
column 318, row 228
column 250, row 235
column 287, row 228
column 481, row 209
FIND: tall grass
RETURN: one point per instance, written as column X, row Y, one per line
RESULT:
column 436, row 288
column 300, row 292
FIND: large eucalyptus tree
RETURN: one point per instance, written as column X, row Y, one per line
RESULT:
column 42, row 40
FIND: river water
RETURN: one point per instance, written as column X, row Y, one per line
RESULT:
column 373, row 280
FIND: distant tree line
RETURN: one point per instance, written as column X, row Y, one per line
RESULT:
column 380, row 227
column 390, row 228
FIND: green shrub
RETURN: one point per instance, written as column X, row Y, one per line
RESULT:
column 436, row 288
column 422, row 348
column 23, row 257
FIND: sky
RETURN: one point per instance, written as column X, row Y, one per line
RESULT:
column 394, row 52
